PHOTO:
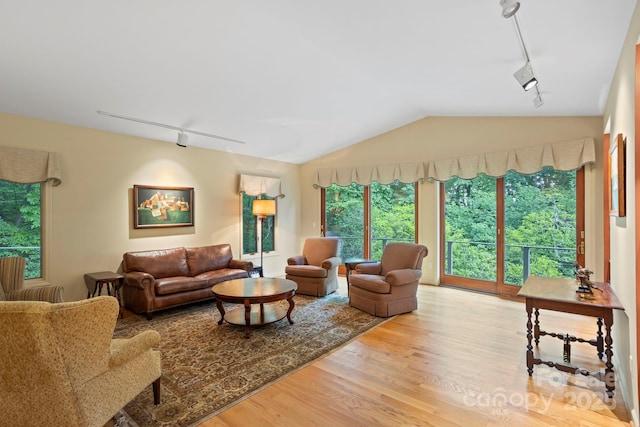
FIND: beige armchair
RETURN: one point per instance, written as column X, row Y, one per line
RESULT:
column 12, row 284
column 60, row 366
column 389, row 287
column 316, row 270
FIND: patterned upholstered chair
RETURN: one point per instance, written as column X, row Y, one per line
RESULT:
column 12, row 281
column 316, row 270
column 389, row 287
column 60, row 366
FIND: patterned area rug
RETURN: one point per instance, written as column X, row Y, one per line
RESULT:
column 207, row 368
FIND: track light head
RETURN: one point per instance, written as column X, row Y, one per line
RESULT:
column 182, row 139
column 509, row 7
column 525, row 77
column 537, row 101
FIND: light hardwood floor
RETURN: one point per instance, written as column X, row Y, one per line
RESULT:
column 459, row 360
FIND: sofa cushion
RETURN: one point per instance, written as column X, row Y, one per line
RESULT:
column 158, row 263
column 172, row 285
column 217, row 276
column 306, row 271
column 370, row 282
column 208, row 258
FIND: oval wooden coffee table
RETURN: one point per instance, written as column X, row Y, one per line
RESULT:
column 254, row 291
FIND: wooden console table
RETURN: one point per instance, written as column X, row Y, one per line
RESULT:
column 561, row 295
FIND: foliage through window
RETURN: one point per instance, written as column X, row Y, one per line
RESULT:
column 539, row 231
column 366, row 218
column 21, row 224
column 251, row 230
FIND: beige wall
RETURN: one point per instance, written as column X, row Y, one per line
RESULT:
column 91, row 225
column 619, row 117
column 444, row 137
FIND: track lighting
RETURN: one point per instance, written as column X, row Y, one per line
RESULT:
column 509, row 7
column 537, row 101
column 525, row 77
column 182, row 139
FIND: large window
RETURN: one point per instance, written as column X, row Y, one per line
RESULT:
column 252, row 232
column 21, row 224
column 366, row 218
column 499, row 231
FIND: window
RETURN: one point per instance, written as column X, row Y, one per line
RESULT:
column 496, row 232
column 366, row 218
column 251, row 230
column 21, row 224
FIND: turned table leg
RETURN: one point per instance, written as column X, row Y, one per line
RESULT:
column 529, row 338
column 609, row 375
column 247, row 318
column 291, row 305
column 221, row 310
column 600, row 340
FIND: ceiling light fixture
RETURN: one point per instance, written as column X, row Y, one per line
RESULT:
column 537, row 101
column 525, row 77
column 183, row 138
column 509, row 7
column 180, row 130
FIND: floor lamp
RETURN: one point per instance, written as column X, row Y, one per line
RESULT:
column 263, row 208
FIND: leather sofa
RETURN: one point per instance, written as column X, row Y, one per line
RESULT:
column 158, row 279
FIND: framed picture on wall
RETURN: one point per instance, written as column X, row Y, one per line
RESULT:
column 162, row 206
column 617, row 169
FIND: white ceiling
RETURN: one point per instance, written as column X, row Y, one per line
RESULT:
column 297, row 79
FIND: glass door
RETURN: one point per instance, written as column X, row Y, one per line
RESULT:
column 344, row 217
column 497, row 232
column 469, row 233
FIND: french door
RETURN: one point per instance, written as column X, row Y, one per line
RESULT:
column 366, row 218
column 498, row 231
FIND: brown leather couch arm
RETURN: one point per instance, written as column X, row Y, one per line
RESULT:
column 296, row 260
column 241, row 264
column 369, row 268
column 403, row 277
column 138, row 279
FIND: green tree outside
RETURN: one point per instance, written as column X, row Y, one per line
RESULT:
column 20, row 224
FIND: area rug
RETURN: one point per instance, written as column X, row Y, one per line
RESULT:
column 207, row 367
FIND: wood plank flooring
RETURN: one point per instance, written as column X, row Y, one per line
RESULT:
column 459, row 360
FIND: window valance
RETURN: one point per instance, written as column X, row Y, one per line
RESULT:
column 563, row 156
column 257, row 185
column 26, row 166
column 364, row 175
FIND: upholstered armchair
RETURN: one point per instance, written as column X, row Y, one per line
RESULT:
column 12, row 284
column 60, row 366
column 316, row 270
column 389, row 287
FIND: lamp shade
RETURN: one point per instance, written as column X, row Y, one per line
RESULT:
column 263, row 207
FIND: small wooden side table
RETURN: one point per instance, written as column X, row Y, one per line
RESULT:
column 559, row 294
column 95, row 282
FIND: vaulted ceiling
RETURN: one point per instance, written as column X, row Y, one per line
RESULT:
column 297, row 79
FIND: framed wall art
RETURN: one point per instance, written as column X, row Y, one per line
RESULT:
column 162, row 206
column 617, row 169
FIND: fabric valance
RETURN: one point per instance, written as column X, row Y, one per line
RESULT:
column 258, row 185
column 365, row 175
column 563, row 156
column 26, row 166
